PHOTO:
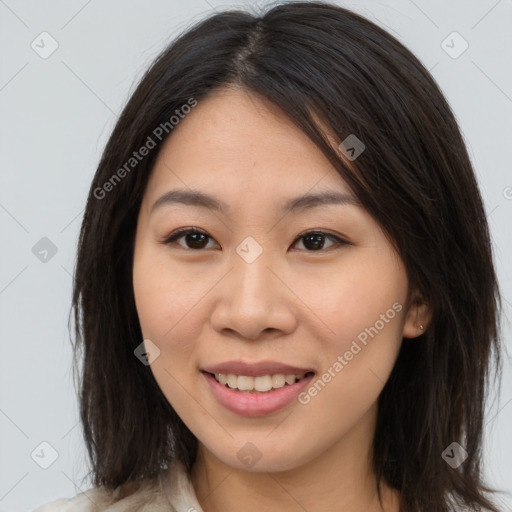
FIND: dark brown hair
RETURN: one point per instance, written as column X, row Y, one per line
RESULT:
column 315, row 61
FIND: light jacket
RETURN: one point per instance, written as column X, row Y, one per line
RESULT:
column 170, row 491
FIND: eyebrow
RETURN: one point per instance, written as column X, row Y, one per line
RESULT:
column 296, row 204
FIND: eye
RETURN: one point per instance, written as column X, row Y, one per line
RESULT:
column 316, row 240
column 192, row 236
column 196, row 239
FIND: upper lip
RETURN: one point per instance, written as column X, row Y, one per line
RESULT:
column 255, row 369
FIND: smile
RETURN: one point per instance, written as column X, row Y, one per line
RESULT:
column 259, row 396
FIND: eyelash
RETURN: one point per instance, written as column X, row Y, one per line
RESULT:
column 179, row 233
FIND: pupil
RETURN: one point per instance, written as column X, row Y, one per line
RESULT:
column 194, row 243
column 317, row 240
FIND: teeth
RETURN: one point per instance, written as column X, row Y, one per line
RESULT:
column 261, row 384
column 278, row 381
column 290, row 379
column 244, row 383
column 232, row 381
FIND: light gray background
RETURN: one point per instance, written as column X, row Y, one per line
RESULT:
column 56, row 116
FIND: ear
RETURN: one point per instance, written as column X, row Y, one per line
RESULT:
column 418, row 315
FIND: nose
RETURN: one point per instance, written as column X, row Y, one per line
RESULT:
column 254, row 301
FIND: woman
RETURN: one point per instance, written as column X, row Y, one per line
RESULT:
column 285, row 292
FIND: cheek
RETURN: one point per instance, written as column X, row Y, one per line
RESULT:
column 355, row 296
column 356, row 364
column 171, row 309
column 165, row 296
column 364, row 311
column 164, row 300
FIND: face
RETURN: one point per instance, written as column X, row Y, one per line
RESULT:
column 262, row 291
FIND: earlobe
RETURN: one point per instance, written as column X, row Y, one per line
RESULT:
column 417, row 319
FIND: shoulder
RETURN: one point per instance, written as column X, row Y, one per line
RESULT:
column 99, row 499
column 141, row 496
column 53, row 506
column 170, row 491
column 83, row 502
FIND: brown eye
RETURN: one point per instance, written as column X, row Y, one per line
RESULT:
column 315, row 240
column 194, row 239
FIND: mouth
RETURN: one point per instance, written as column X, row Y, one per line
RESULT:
column 260, row 395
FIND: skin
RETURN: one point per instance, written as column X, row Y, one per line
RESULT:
column 295, row 304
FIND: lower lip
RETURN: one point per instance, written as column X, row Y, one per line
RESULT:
column 256, row 404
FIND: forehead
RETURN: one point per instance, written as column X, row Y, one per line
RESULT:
column 234, row 139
